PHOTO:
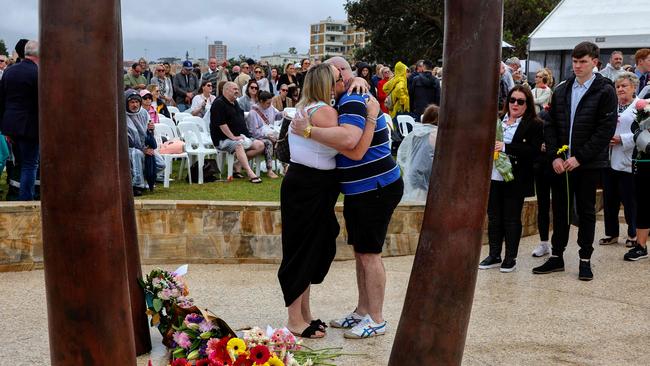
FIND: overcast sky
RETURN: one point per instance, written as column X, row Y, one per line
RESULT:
column 170, row 28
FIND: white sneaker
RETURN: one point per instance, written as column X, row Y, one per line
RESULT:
column 365, row 329
column 347, row 321
column 542, row 249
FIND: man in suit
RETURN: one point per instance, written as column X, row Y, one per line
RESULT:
column 19, row 116
column 583, row 117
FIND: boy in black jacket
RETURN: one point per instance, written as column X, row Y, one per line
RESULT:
column 583, row 117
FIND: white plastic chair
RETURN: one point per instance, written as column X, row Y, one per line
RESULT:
column 403, row 121
column 160, row 130
column 204, row 132
column 173, row 110
column 169, row 122
column 179, row 117
column 193, row 145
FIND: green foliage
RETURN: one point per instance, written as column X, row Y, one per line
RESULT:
column 3, row 48
column 399, row 30
column 411, row 30
column 292, row 51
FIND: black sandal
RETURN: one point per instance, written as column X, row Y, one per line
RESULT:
column 255, row 180
column 237, row 175
column 309, row 332
column 608, row 240
column 319, row 323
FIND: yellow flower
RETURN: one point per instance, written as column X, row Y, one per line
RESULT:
column 274, row 361
column 236, row 346
column 496, row 155
column 562, row 149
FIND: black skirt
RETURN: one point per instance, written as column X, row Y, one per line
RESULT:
column 309, row 228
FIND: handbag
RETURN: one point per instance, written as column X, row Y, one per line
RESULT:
column 281, row 147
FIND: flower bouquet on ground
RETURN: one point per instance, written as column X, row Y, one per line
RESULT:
column 166, row 295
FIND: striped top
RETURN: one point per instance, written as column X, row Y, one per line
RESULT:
column 377, row 167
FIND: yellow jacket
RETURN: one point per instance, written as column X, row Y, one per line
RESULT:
column 398, row 90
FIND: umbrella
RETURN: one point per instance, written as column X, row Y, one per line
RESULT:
column 150, row 161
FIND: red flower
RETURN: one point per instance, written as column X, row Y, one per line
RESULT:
column 243, row 361
column 181, row 362
column 203, row 362
column 260, row 354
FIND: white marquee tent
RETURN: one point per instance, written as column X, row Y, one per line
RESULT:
column 613, row 25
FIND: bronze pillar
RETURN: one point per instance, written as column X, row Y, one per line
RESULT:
column 133, row 268
column 89, row 312
column 433, row 325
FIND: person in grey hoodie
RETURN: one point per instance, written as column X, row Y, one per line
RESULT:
column 137, row 125
column 614, row 67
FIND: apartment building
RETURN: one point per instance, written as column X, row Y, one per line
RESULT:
column 335, row 38
column 218, row 50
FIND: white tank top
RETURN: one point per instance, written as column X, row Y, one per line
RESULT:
column 309, row 152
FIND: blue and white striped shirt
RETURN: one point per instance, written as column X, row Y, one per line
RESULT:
column 377, row 167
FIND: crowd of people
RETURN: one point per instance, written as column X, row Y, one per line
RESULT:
column 562, row 140
column 565, row 142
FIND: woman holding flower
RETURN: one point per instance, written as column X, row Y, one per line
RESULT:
column 522, row 141
column 641, row 176
column 618, row 180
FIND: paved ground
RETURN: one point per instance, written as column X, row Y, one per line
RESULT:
column 517, row 318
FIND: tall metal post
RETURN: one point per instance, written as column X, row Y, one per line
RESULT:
column 433, row 325
column 89, row 312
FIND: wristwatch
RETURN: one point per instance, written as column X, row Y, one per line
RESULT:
column 307, row 132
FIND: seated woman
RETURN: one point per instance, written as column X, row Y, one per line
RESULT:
column 261, row 125
column 202, row 102
column 158, row 102
column 147, row 105
column 249, row 98
column 138, row 128
column 415, row 156
column 282, row 101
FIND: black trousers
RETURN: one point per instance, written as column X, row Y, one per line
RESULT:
column 543, row 175
column 582, row 190
column 504, row 219
column 619, row 187
column 642, row 180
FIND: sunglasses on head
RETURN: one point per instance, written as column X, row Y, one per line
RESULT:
column 518, row 101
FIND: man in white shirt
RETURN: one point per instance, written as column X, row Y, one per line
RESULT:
column 614, row 67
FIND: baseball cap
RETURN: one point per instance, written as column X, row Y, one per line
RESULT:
column 187, row 64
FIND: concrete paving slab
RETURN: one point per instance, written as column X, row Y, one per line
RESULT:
column 517, row 318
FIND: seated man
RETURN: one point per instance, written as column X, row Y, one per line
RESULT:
column 229, row 132
column 140, row 146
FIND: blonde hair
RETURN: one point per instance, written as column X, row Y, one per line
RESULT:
column 318, row 86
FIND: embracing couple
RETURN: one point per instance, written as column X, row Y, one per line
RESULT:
column 338, row 144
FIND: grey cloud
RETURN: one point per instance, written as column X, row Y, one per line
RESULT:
column 172, row 27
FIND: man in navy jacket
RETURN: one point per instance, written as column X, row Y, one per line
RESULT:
column 19, row 116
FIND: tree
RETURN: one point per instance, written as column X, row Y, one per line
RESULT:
column 411, row 30
column 3, row 48
column 292, row 51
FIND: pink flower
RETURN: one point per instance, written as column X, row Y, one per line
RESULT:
column 212, row 345
column 182, row 339
column 165, row 294
column 641, row 104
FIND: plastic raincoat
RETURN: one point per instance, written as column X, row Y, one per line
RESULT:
column 415, row 157
column 398, row 90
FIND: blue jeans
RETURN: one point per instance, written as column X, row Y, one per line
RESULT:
column 182, row 107
column 29, row 158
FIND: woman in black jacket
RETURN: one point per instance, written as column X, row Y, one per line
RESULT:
column 522, row 141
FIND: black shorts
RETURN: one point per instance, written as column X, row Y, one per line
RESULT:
column 367, row 216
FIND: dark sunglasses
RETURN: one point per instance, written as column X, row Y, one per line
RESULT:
column 258, row 71
column 518, row 101
column 161, row 70
column 284, row 90
column 253, row 87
